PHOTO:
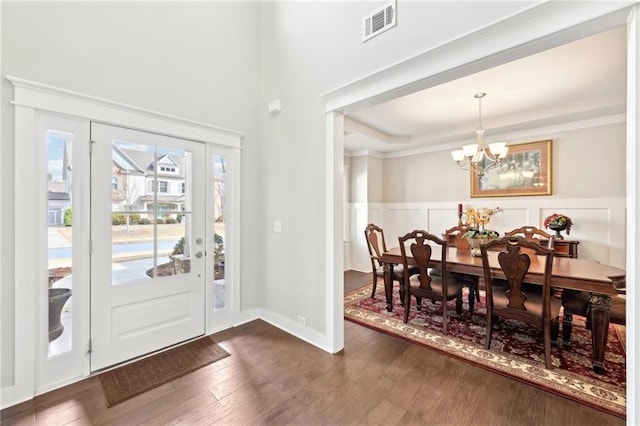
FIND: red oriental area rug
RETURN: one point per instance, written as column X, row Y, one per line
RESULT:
column 516, row 348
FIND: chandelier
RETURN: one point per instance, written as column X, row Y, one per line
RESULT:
column 476, row 157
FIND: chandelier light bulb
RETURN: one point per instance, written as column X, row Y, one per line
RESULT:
column 476, row 157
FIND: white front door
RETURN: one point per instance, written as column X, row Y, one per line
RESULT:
column 148, row 238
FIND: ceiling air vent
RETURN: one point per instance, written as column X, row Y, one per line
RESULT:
column 378, row 22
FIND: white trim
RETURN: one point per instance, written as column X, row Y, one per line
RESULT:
column 235, row 211
column 543, row 26
column 633, row 213
column 307, row 334
column 219, row 321
column 50, row 98
column 335, row 253
column 498, row 137
column 75, row 363
column 514, row 37
column 366, row 153
column 285, row 324
column 25, row 275
column 518, row 135
column 29, row 98
column 4, row 391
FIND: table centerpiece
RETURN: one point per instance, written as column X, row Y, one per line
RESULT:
column 558, row 222
column 477, row 220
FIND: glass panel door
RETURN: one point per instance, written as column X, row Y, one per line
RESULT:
column 150, row 212
column 223, row 173
column 219, row 165
column 60, row 240
column 64, row 165
column 148, row 226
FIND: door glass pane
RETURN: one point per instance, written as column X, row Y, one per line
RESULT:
column 59, row 253
column 219, row 200
column 151, row 212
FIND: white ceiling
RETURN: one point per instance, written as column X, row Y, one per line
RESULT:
column 580, row 80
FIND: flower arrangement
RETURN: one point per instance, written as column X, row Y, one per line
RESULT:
column 558, row 221
column 477, row 220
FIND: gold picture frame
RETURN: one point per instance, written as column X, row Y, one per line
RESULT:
column 526, row 170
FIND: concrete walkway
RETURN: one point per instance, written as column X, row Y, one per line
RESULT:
column 122, row 272
column 56, row 239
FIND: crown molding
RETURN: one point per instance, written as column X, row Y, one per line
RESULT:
column 365, row 153
column 517, row 135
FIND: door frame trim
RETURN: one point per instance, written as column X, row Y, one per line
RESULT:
column 29, row 98
column 50, row 98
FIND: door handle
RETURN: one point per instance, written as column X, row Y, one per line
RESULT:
column 198, row 254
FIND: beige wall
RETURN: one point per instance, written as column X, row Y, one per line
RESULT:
column 590, row 162
column 375, row 180
column 583, row 167
column 422, row 178
column 358, row 180
column 366, row 179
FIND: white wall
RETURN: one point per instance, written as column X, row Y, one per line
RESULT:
column 168, row 57
column 307, row 49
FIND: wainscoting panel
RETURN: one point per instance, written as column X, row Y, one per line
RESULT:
column 358, row 256
column 441, row 219
column 400, row 220
column 599, row 224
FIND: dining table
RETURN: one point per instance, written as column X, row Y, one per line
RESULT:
column 600, row 280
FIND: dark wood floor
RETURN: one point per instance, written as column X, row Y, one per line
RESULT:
column 272, row 377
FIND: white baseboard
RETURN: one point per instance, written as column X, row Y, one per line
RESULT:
column 285, row 324
column 9, row 398
column 304, row 333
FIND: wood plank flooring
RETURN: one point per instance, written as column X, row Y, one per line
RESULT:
column 273, row 378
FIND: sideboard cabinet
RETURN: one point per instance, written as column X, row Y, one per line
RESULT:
column 565, row 248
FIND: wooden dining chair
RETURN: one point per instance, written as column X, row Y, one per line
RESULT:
column 532, row 233
column 377, row 245
column 437, row 288
column 538, row 309
column 455, row 237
